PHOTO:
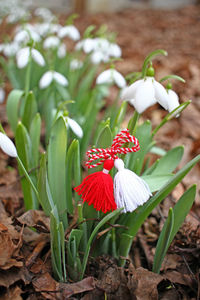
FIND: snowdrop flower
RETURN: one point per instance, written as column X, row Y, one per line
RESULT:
column 44, row 13
column 23, row 57
column 51, row 42
column 62, row 50
column 7, row 145
column 24, row 36
column 70, row 31
column 87, row 45
column 75, row 127
column 173, row 100
column 76, row 64
column 97, row 57
column 114, row 50
column 2, row 95
column 144, row 93
column 10, row 49
column 130, row 191
column 111, row 76
column 50, row 76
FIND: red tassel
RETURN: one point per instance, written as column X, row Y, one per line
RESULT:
column 97, row 189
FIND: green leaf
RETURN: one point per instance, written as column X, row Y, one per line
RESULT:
column 69, row 164
column 135, row 220
column 172, row 225
column 23, row 144
column 156, row 182
column 35, row 129
column 94, row 232
column 162, row 245
column 30, row 110
column 56, row 153
column 12, row 108
column 168, row 163
column 119, row 118
column 45, row 197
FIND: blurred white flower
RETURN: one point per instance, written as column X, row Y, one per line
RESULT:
column 144, row 93
column 10, row 49
column 22, row 57
column 49, row 76
column 75, row 127
column 62, row 50
column 114, row 50
column 87, row 45
column 51, row 42
column 70, row 31
column 18, row 14
column 111, row 76
column 23, row 36
column 97, row 57
column 2, row 95
column 75, row 64
column 7, row 145
column 44, row 13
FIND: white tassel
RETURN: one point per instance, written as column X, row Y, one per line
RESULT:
column 130, row 191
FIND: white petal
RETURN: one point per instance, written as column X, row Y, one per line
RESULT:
column 128, row 93
column 173, row 100
column 161, row 94
column 37, row 57
column 2, row 95
column 88, row 45
column 75, row 127
column 22, row 57
column 22, row 37
column 7, row 145
column 144, row 96
column 71, row 31
column 105, row 77
column 115, row 50
column 96, row 57
column 62, row 50
column 76, row 64
column 119, row 79
column 46, row 79
column 59, row 78
column 51, row 42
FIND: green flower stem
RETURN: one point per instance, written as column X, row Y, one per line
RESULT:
column 172, row 77
column 28, row 76
column 149, row 58
column 28, row 177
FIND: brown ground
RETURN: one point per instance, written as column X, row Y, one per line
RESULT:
column 25, row 271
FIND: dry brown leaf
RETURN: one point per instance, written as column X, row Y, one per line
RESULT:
column 13, row 293
column 85, row 285
column 48, row 287
column 177, row 277
column 9, row 277
column 36, row 219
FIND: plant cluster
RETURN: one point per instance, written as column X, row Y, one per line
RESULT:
column 54, row 112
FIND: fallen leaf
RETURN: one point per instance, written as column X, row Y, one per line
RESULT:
column 12, row 293
column 9, row 277
column 85, row 285
column 36, row 219
column 48, row 287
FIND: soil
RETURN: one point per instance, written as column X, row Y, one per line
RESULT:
column 25, row 268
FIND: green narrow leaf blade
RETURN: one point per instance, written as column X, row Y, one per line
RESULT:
column 12, row 108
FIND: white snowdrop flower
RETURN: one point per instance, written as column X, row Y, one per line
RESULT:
column 97, row 57
column 101, row 44
column 87, row 45
column 173, row 100
column 51, row 42
column 114, row 50
column 54, row 28
column 75, row 127
column 10, row 49
column 144, row 93
column 44, row 13
column 1, row 47
column 62, row 50
column 111, row 76
column 42, row 28
column 2, row 95
column 49, row 76
column 22, row 57
column 75, row 64
column 7, row 145
column 70, row 31
column 23, row 36
column 130, row 191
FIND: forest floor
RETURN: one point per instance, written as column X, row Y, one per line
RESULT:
column 25, row 268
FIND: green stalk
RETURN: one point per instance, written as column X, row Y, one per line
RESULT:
column 28, row 75
column 28, row 177
column 149, row 58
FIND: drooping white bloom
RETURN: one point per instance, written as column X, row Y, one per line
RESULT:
column 7, row 145
column 62, row 50
column 130, row 191
column 70, row 31
column 75, row 64
column 23, row 36
column 144, row 93
column 51, row 42
column 75, row 127
column 87, row 45
column 10, row 49
column 111, row 76
column 173, row 101
column 2, row 95
column 49, row 76
column 97, row 57
column 22, row 57
column 114, row 50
